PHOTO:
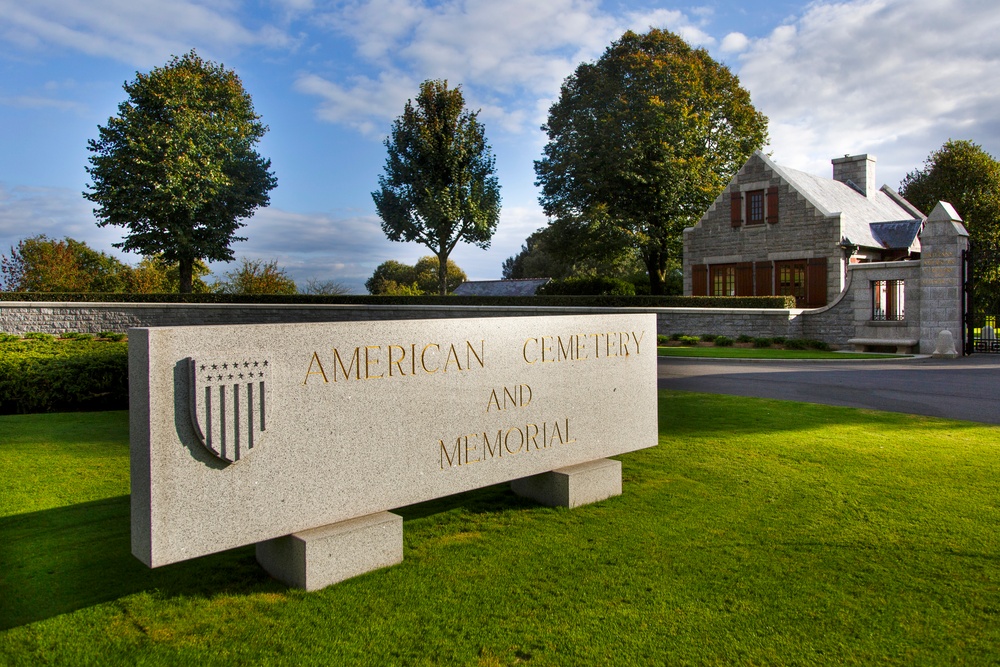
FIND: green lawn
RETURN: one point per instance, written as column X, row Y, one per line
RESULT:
column 764, row 353
column 758, row 532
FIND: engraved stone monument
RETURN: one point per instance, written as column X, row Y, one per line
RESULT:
column 300, row 437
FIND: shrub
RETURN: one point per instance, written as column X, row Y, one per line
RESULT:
column 688, row 340
column 743, row 338
column 762, row 342
column 818, row 345
column 795, row 344
column 113, row 336
column 707, row 338
column 779, row 340
column 676, row 336
column 45, row 375
column 662, row 339
column 723, row 341
column 8, row 338
column 76, row 335
column 44, row 337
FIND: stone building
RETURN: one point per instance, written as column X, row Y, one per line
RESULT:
column 776, row 230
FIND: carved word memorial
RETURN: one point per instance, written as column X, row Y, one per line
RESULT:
column 300, row 437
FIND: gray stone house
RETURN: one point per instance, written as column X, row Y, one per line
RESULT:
column 776, row 230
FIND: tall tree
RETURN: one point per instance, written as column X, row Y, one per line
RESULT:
column 439, row 186
column 967, row 177
column 177, row 166
column 396, row 278
column 255, row 276
column 640, row 144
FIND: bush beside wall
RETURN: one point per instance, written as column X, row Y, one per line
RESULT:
column 38, row 375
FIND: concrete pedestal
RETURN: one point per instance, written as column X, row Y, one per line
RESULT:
column 574, row 485
column 319, row 557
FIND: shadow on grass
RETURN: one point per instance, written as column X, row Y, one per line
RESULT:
column 60, row 560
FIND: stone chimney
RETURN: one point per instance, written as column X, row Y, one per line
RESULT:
column 857, row 171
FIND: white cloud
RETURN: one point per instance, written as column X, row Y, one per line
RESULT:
column 508, row 56
column 734, row 42
column 892, row 77
column 138, row 33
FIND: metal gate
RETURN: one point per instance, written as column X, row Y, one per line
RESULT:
column 980, row 330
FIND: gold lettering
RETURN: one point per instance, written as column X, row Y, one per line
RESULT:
column 413, row 359
column 564, row 352
column 398, row 361
column 506, row 440
column 550, row 359
column 525, row 403
column 423, row 357
column 637, row 339
column 369, row 362
column 557, row 433
column 531, row 437
column 581, row 350
column 512, row 396
column 524, row 351
column 355, row 360
column 607, row 344
column 568, row 438
column 310, row 371
column 471, row 352
column 473, row 448
column 493, row 400
column 597, row 346
column 488, row 449
column 623, row 344
column 452, row 354
column 457, row 452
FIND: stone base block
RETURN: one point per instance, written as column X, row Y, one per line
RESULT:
column 574, row 485
column 319, row 557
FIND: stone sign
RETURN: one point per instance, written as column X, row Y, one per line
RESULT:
column 285, row 434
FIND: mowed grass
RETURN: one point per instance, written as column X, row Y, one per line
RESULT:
column 757, row 532
column 764, row 353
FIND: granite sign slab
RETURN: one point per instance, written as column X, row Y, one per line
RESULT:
column 244, row 434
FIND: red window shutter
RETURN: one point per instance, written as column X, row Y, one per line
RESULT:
column 764, row 285
column 735, row 209
column 699, row 280
column 744, row 279
column 772, row 204
column 816, row 282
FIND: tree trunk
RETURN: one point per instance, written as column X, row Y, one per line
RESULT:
column 442, row 274
column 185, row 269
column 656, row 266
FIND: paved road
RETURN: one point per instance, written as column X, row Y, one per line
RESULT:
column 966, row 388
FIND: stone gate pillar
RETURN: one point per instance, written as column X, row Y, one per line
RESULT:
column 941, row 244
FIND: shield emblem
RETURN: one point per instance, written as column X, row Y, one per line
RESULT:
column 229, row 406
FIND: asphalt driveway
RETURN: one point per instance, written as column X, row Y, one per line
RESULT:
column 966, row 388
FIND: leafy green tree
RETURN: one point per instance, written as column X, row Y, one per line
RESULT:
column 967, row 177
column 255, row 276
column 640, row 144
column 41, row 264
column 549, row 253
column 177, row 166
column 439, row 186
column 154, row 275
column 399, row 279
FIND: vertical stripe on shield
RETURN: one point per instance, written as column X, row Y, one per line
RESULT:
column 236, row 421
column 222, row 421
column 263, row 425
column 208, row 417
column 249, row 415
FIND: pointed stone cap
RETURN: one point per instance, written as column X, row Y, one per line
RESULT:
column 945, row 212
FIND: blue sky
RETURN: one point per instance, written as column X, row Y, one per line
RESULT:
column 893, row 78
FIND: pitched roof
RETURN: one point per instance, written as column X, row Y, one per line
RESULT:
column 857, row 211
column 522, row 287
column 898, row 235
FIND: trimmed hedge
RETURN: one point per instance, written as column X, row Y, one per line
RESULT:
column 606, row 301
column 38, row 375
column 587, row 286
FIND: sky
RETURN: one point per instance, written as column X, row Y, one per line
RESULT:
column 891, row 78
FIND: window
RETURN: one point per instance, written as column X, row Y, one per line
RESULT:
column 755, row 207
column 888, row 300
column 723, row 280
column 792, row 280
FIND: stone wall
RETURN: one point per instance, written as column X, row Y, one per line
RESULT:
column 932, row 298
